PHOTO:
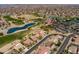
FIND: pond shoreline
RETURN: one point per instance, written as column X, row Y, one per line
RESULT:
column 14, row 29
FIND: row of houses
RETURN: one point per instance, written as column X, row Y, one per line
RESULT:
column 73, row 47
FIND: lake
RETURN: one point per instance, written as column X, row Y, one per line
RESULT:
column 14, row 29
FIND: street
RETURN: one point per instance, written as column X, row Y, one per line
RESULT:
column 37, row 44
column 64, row 44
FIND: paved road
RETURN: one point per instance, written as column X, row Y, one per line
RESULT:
column 32, row 48
column 37, row 44
column 61, row 49
column 64, row 44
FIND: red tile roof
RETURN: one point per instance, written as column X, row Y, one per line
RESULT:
column 42, row 50
column 28, row 42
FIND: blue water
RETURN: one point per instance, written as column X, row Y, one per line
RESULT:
column 11, row 30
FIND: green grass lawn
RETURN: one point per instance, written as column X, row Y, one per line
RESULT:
column 15, row 21
column 9, row 38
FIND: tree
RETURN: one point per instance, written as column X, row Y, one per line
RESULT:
column 73, row 40
column 59, row 43
column 1, row 34
column 66, row 51
column 55, row 49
